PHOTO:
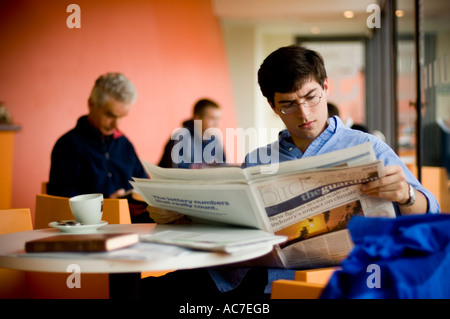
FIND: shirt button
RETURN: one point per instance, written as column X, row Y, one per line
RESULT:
column 290, row 149
column 109, row 174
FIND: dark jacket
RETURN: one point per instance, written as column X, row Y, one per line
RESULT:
column 82, row 161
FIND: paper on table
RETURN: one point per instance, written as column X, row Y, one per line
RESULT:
column 212, row 238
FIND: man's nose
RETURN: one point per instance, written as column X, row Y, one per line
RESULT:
column 115, row 123
column 302, row 110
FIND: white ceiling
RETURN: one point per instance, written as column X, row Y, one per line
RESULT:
column 300, row 14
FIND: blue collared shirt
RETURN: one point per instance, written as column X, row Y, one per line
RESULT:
column 335, row 137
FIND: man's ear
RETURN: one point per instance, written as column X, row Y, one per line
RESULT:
column 325, row 85
column 90, row 104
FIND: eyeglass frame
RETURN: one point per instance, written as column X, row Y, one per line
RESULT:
column 297, row 105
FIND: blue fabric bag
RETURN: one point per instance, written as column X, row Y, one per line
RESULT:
column 404, row 257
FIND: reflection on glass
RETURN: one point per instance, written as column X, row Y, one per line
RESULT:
column 406, row 83
column 435, row 77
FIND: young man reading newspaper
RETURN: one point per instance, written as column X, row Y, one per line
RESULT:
column 294, row 81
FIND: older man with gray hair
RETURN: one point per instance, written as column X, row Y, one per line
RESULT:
column 95, row 157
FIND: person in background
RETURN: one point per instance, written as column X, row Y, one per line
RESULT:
column 360, row 127
column 293, row 79
column 206, row 118
column 332, row 109
column 436, row 143
column 95, row 157
column 186, row 149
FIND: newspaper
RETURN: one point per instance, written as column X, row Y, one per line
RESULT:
column 212, row 238
column 310, row 201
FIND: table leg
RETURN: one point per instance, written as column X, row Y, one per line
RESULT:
column 124, row 285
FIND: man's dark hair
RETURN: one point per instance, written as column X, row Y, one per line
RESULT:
column 288, row 68
column 202, row 105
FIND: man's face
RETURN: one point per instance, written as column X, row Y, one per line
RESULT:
column 211, row 118
column 105, row 118
column 306, row 123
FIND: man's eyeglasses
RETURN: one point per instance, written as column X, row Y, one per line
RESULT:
column 308, row 102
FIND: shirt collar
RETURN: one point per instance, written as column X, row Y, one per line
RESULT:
column 333, row 123
column 117, row 134
column 86, row 127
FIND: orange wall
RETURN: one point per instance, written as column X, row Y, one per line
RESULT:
column 171, row 49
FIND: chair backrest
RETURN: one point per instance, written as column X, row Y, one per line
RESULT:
column 308, row 284
column 50, row 208
column 13, row 283
column 317, row 276
column 436, row 180
column 44, row 187
column 15, row 220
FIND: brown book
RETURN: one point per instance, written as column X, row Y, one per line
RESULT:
column 82, row 242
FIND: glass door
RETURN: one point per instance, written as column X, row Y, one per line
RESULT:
column 434, row 42
column 406, row 84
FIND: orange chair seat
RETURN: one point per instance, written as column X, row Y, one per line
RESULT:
column 308, row 284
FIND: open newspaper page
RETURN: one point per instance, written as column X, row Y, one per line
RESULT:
column 313, row 209
column 225, row 203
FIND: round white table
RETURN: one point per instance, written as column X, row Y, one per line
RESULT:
column 122, row 271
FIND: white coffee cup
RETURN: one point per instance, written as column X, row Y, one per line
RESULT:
column 87, row 209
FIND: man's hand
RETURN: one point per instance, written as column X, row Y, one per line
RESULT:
column 118, row 193
column 393, row 186
column 164, row 216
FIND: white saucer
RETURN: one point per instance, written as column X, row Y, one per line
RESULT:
column 78, row 228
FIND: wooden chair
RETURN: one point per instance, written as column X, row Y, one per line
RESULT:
column 436, row 180
column 44, row 187
column 308, row 284
column 15, row 220
column 13, row 283
column 50, row 208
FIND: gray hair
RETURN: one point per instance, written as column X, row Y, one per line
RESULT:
column 113, row 85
